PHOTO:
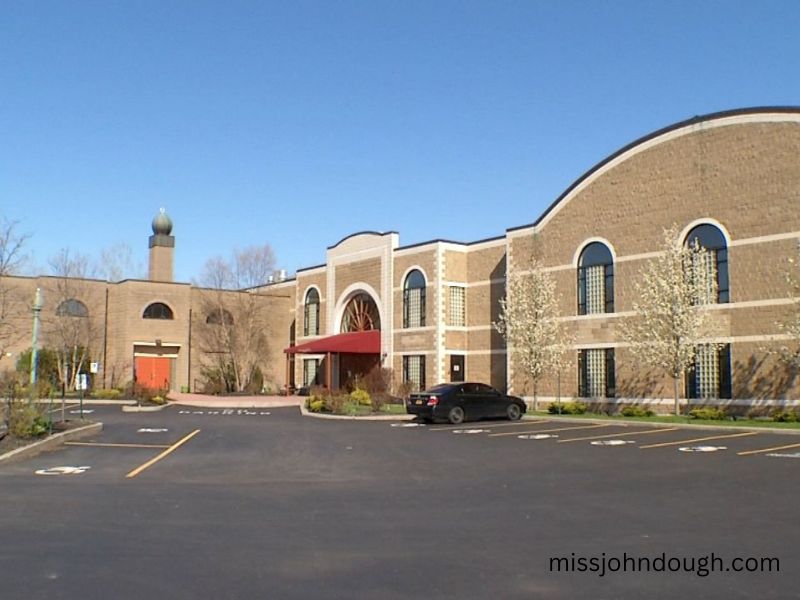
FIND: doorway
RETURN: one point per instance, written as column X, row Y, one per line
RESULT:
column 456, row 368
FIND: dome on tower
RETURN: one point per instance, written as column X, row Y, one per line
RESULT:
column 162, row 224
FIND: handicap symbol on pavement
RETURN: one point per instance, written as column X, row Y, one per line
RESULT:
column 63, row 471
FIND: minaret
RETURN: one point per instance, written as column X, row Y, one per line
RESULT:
column 162, row 248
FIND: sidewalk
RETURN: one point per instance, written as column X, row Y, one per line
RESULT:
column 206, row 401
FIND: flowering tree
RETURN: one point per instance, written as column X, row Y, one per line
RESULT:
column 670, row 318
column 789, row 352
column 529, row 323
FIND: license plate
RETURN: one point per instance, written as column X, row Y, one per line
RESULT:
column 417, row 401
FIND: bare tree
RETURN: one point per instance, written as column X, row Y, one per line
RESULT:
column 71, row 328
column 117, row 263
column 671, row 319
column 12, row 258
column 529, row 322
column 233, row 337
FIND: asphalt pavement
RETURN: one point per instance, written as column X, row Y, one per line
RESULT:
column 265, row 503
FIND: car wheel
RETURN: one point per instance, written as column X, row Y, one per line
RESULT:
column 456, row 415
column 513, row 412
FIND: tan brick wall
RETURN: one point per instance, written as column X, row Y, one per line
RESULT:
column 412, row 340
column 484, row 264
column 483, row 303
column 455, row 266
column 456, row 340
column 744, row 176
column 366, row 271
column 487, row 368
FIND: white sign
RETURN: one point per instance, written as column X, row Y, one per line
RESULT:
column 93, row 367
column 82, row 382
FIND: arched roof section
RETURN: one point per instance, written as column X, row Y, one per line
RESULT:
column 720, row 119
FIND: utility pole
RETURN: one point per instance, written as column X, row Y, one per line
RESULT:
column 37, row 311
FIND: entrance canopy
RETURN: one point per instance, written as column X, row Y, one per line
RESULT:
column 357, row 342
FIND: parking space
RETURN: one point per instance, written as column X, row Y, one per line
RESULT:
column 487, row 503
column 739, row 443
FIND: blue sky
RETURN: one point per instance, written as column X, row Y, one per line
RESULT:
column 297, row 123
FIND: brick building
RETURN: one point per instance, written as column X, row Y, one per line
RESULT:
column 730, row 180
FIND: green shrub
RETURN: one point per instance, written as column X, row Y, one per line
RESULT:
column 361, row 397
column 110, row 394
column 567, row 408
column 634, row 410
column 785, row 416
column 316, row 405
column 350, row 407
column 26, row 420
column 335, row 404
column 708, row 413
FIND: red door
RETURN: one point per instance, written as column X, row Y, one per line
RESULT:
column 153, row 372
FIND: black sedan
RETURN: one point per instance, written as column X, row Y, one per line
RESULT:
column 457, row 402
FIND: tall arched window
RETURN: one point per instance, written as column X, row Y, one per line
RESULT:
column 311, row 313
column 72, row 308
column 158, row 310
column 714, row 258
column 414, row 300
column 595, row 280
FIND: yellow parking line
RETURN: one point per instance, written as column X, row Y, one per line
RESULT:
column 768, row 449
column 109, row 445
column 702, row 439
column 165, row 453
column 550, row 430
column 492, row 425
column 611, row 435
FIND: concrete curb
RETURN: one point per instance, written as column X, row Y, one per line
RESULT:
column 51, row 442
column 627, row 423
column 156, row 408
column 86, row 402
column 306, row 413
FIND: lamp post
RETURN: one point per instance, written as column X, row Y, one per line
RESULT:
column 37, row 310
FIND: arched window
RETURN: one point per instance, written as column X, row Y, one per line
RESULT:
column 360, row 314
column 595, row 280
column 219, row 316
column 72, row 308
column 714, row 259
column 158, row 310
column 311, row 313
column 414, row 300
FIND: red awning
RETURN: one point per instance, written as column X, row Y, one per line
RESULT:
column 358, row 342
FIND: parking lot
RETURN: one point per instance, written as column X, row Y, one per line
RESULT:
column 251, row 503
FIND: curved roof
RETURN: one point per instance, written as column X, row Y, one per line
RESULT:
column 352, row 235
column 742, row 115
